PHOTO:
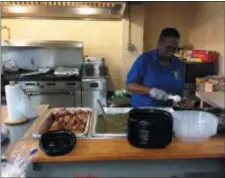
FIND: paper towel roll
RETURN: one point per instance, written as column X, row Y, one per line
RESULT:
column 18, row 104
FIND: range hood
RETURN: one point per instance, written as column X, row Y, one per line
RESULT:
column 63, row 10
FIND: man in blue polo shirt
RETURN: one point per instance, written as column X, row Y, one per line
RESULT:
column 157, row 73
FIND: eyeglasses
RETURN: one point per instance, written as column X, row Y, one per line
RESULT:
column 172, row 49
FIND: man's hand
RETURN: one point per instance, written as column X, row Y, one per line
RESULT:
column 158, row 94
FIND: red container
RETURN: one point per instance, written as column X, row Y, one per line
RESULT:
column 206, row 56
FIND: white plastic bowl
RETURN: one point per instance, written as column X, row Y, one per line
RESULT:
column 194, row 126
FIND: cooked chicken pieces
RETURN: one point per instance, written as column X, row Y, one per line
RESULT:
column 74, row 120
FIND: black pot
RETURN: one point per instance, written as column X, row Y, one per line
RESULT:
column 150, row 128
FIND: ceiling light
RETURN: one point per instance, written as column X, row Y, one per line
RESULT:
column 87, row 11
column 17, row 9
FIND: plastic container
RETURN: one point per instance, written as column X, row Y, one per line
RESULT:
column 194, row 126
column 149, row 128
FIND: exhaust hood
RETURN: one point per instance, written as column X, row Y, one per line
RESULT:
column 63, row 10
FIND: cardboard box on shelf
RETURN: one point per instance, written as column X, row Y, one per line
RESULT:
column 200, row 80
column 210, row 84
column 210, row 87
column 194, row 60
column 200, row 84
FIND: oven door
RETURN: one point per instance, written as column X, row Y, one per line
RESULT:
column 54, row 99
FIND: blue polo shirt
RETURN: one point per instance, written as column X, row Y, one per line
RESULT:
column 147, row 71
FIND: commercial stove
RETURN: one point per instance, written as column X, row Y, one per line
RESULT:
column 53, row 70
column 48, row 88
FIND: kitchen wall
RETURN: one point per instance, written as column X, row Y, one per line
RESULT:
column 101, row 38
column 208, row 29
column 201, row 25
column 159, row 15
column 136, row 31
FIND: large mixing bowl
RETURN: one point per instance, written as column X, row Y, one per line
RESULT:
column 194, row 126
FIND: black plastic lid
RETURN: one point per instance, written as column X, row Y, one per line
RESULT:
column 148, row 112
column 56, row 143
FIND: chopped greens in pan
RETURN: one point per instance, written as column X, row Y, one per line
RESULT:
column 116, row 123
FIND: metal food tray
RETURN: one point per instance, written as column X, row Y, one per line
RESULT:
column 117, row 111
column 109, row 111
column 47, row 122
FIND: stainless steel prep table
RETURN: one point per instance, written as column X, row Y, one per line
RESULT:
column 215, row 99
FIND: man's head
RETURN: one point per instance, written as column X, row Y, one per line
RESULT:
column 168, row 42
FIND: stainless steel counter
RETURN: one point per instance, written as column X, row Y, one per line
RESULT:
column 215, row 99
column 177, row 168
column 16, row 133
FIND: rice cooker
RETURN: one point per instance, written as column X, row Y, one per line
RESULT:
column 150, row 128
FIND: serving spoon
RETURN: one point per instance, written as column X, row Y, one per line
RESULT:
column 102, row 109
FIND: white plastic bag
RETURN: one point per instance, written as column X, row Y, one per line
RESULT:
column 18, row 163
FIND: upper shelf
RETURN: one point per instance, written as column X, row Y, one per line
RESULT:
column 64, row 10
column 42, row 43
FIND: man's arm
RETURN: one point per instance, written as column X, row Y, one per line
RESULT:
column 137, row 88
